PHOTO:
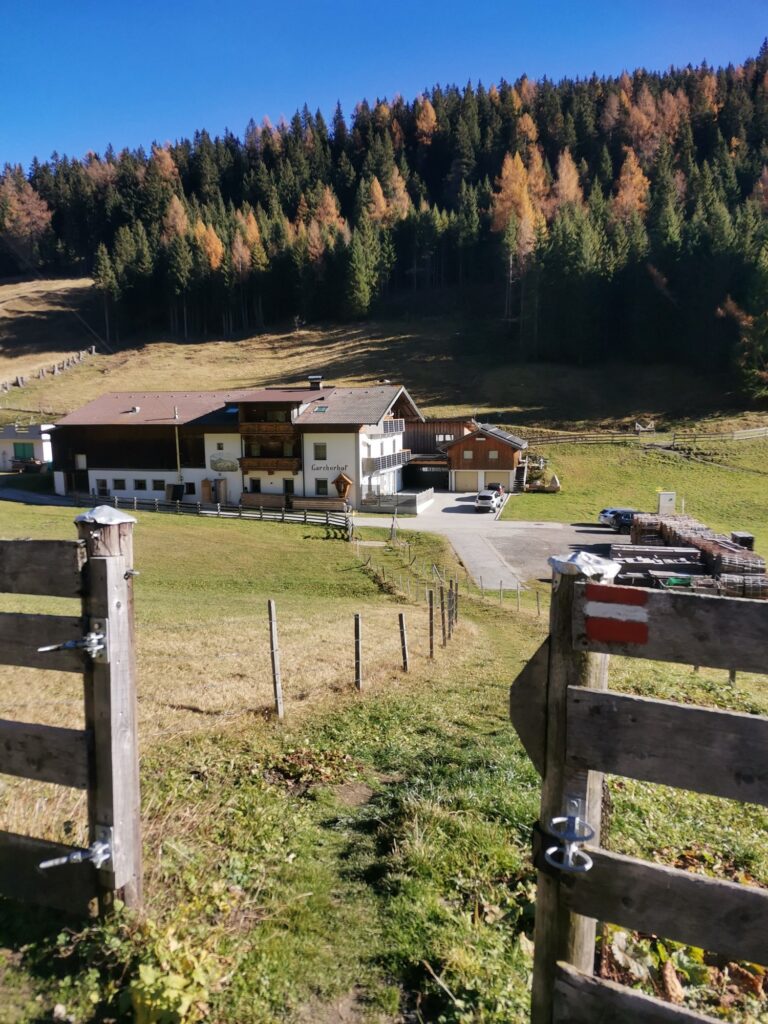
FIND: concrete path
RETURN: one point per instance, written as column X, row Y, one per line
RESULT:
column 498, row 550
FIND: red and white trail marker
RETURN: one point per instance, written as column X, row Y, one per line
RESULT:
column 616, row 614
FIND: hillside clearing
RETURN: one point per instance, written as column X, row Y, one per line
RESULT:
column 451, row 365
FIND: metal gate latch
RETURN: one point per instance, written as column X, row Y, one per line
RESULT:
column 99, row 852
column 571, row 831
column 93, row 643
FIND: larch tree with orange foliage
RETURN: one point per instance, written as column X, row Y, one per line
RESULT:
column 511, row 196
column 631, row 189
column 567, row 187
column 426, row 122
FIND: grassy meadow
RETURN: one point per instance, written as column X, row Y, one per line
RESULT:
column 366, row 860
column 452, row 365
column 728, row 491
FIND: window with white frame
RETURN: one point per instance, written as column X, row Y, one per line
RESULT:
column 321, row 451
column 321, row 488
column 468, row 453
column 493, row 454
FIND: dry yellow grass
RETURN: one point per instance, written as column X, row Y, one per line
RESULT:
column 451, row 367
column 203, row 652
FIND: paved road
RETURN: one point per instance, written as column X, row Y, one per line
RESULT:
column 499, row 550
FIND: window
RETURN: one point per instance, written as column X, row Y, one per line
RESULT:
column 81, row 462
column 23, row 450
column 321, row 488
column 158, row 485
column 118, row 485
column 102, row 489
column 189, row 488
column 288, row 449
column 139, row 485
column 321, row 408
column 468, row 454
column 255, row 486
column 287, row 486
column 219, row 446
column 493, row 454
column 321, row 452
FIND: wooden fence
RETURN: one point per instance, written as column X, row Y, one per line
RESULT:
column 102, row 758
column 625, row 437
column 340, row 521
column 574, row 729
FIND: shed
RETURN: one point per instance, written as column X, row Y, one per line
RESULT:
column 487, row 455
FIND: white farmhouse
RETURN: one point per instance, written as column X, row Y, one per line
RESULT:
column 264, row 446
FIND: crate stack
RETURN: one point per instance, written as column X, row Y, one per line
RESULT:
column 722, row 565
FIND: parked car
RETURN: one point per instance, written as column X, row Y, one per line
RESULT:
column 622, row 519
column 605, row 517
column 487, row 501
column 496, row 488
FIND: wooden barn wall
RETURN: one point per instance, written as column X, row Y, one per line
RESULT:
column 127, row 447
column 508, row 457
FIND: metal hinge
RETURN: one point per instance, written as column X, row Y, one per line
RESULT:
column 94, row 642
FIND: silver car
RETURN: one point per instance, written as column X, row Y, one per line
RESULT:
column 487, row 501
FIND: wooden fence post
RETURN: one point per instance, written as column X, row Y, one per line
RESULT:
column 111, row 714
column 517, row 590
column 277, row 681
column 559, row 934
column 538, row 604
column 501, row 592
column 403, row 641
column 450, row 609
column 456, row 601
column 431, row 603
column 358, row 652
column 442, row 616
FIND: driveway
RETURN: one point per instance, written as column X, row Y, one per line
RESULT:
column 499, row 550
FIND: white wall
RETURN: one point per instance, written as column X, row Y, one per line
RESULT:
column 273, row 484
column 42, row 450
column 342, row 457
column 230, row 453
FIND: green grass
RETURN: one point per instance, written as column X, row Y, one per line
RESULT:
column 594, row 476
column 375, row 847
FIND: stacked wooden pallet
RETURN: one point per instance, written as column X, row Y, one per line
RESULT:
column 681, row 551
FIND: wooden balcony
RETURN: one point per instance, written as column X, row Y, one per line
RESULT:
column 282, row 431
column 253, row 462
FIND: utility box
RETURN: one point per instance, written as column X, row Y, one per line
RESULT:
column 744, row 540
column 667, row 501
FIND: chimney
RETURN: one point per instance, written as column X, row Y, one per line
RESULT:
column 175, row 412
column 315, row 380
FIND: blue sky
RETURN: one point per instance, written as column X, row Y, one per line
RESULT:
column 78, row 74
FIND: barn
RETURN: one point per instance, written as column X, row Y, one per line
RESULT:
column 486, row 455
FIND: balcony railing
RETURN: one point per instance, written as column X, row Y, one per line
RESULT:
column 386, row 428
column 382, row 462
column 265, row 429
column 252, row 462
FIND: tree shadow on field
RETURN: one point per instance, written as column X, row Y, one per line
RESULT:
column 28, row 941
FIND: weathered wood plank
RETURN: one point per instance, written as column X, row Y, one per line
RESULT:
column 21, row 635
column 70, row 887
column 582, row 999
column 111, row 712
column 528, row 705
column 560, row 934
column 723, row 917
column 52, row 567
column 723, row 753
column 718, row 632
column 44, row 753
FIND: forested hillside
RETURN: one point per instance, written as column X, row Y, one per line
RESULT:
column 623, row 217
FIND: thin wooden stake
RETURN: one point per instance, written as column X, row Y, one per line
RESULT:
column 450, row 609
column 442, row 616
column 431, row 603
column 501, row 592
column 274, row 651
column 482, row 591
column 358, row 651
column 538, row 604
column 732, row 676
column 456, row 602
column 517, row 588
column 403, row 641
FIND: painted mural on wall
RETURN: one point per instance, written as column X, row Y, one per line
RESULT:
column 221, row 465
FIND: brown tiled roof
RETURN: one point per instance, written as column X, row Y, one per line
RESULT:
column 354, row 406
column 487, row 430
column 154, row 408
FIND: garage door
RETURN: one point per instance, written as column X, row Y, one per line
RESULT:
column 465, row 480
column 498, row 476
